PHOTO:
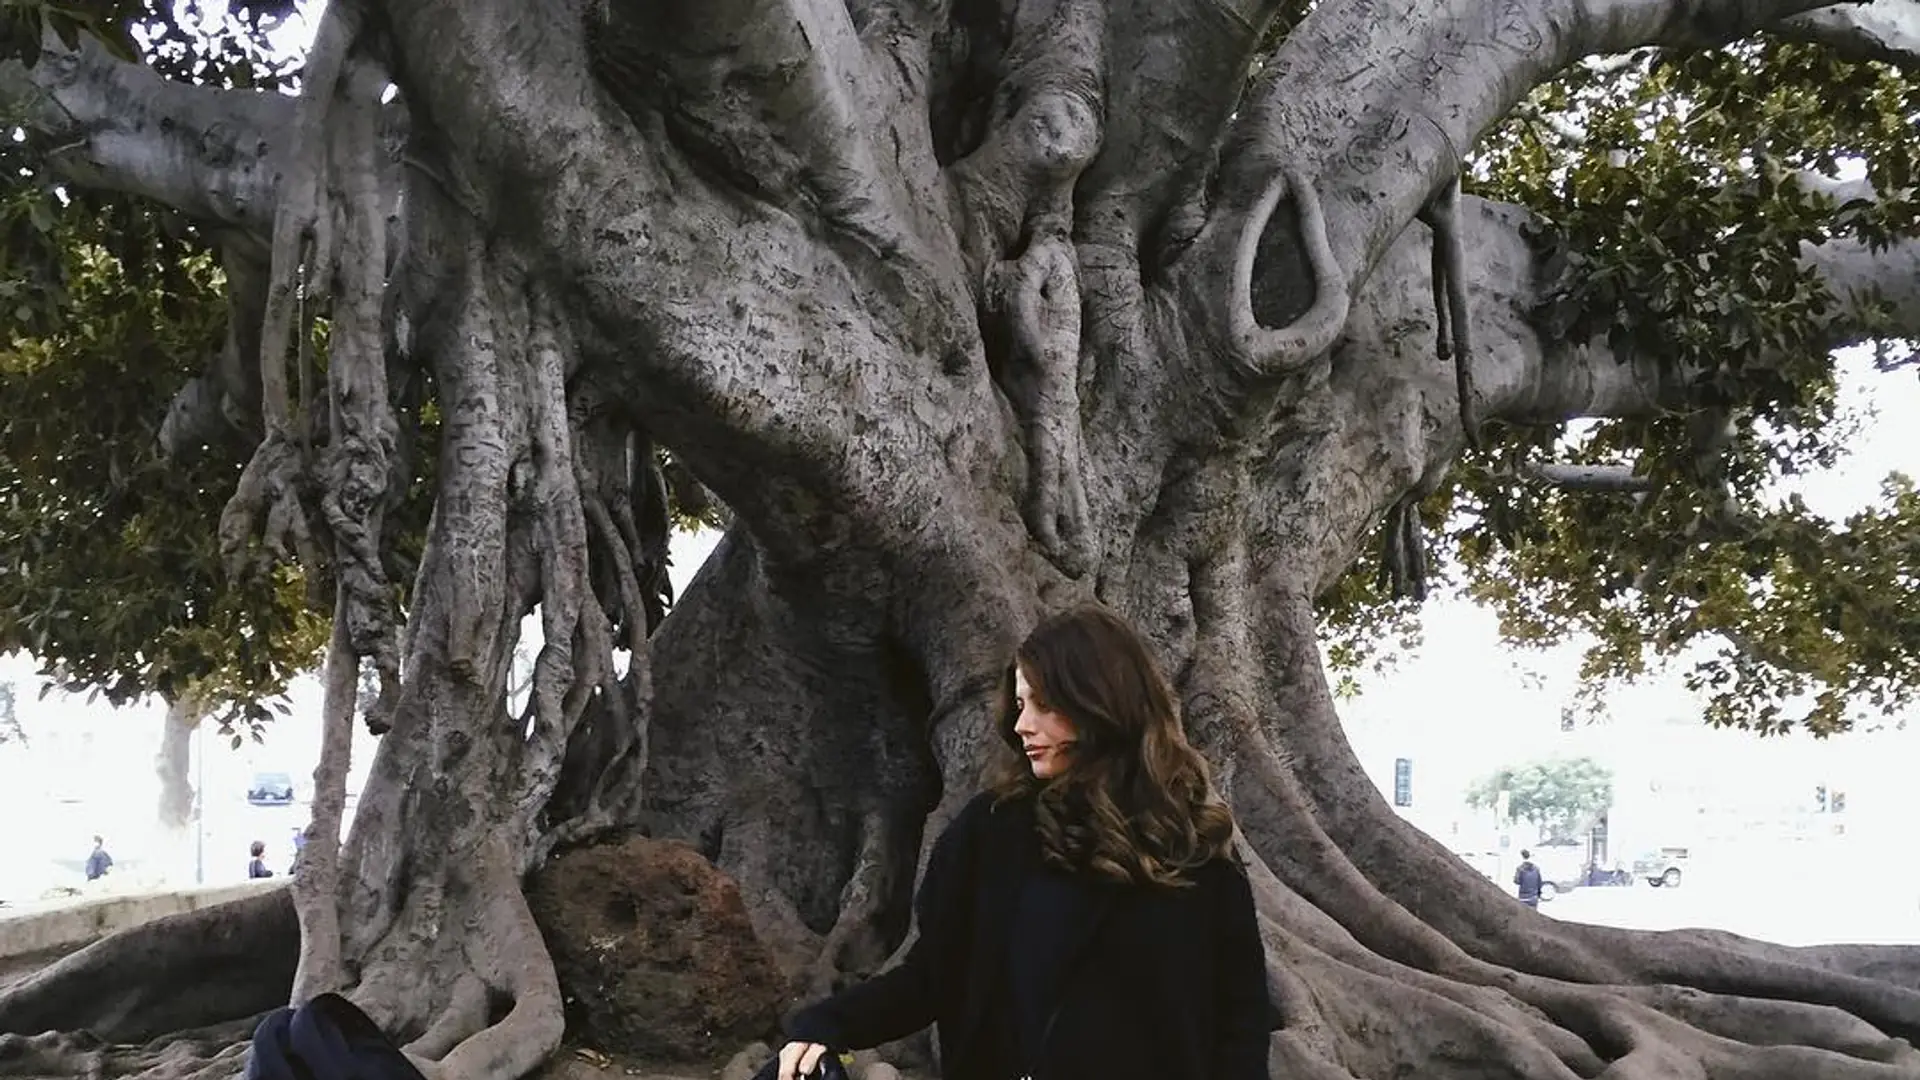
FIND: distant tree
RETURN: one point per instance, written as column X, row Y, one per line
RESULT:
column 1561, row 797
column 9, row 721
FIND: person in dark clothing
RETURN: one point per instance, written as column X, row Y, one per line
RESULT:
column 1526, row 877
column 1086, row 917
column 98, row 862
column 258, row 867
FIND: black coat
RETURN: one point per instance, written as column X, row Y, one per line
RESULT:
column 1161, row 983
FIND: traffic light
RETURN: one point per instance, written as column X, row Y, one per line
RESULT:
column 1403, row 781
column 1837, row 803
column 1820, row 799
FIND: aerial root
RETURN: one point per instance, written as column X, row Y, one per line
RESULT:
column 1452, row 316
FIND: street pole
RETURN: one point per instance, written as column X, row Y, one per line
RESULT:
column 200, row 803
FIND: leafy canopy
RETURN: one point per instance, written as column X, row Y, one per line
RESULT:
column 112, row 575
column 1681, row 187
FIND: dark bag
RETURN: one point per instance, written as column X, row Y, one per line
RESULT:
column 829, row 1068
column 328, row 1038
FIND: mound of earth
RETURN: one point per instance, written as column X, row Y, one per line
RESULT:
column 655, row 953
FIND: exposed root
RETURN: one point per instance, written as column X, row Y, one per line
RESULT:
column 464, row 1016
column 855, row 942
column 576, row 655
column 217, row 1053
column 178, row 973
column 1039, row 297
column 316, row 889
column 1642, row 1005
column 361, row 451
column 508, row 955
column 1452, row 315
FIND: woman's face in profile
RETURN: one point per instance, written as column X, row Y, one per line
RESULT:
column 1046, row 736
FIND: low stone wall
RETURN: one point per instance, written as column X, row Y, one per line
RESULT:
column 37, row 931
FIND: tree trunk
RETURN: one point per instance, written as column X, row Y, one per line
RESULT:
column 967, row 315
column 173, row 761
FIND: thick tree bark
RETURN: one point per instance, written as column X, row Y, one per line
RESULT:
column 967, row 314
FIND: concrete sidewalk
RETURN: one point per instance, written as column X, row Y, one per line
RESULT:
column 45, row 928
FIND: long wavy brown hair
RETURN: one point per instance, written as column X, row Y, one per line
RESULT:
column 1135, row 803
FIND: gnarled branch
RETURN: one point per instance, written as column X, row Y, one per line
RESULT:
column 1218, row 277
column 123, row 127
column 1884, row 30
column 771, row 92
column 1049, row 116
column 1420, row 81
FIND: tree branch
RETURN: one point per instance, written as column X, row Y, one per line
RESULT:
column 123, row 127
column 736, row 315
column 1527, row 371
column 776, row 93
column 1884, row 30
column 1607, row 478
column 1169, row 95
column 1378, row 100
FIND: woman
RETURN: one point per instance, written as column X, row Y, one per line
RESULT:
column 1086, row 916
column 258, row 867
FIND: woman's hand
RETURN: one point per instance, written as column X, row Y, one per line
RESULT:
column 799, row 1059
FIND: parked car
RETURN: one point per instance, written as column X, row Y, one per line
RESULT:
column 1665, row 867
column 270, row 789
column 1560, row 868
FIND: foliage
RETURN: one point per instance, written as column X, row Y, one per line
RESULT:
column 1562, row 798
column 113, row 577
column 1673, row 185
column 107, row 307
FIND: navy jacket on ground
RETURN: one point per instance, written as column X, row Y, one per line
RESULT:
column 1159, row 983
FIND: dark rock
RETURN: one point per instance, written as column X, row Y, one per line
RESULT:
column 655, row 953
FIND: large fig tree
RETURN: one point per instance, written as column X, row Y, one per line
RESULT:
column 969, row 311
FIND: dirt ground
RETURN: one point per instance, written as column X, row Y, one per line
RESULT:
column 585, row 1063
column 575, row 1062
